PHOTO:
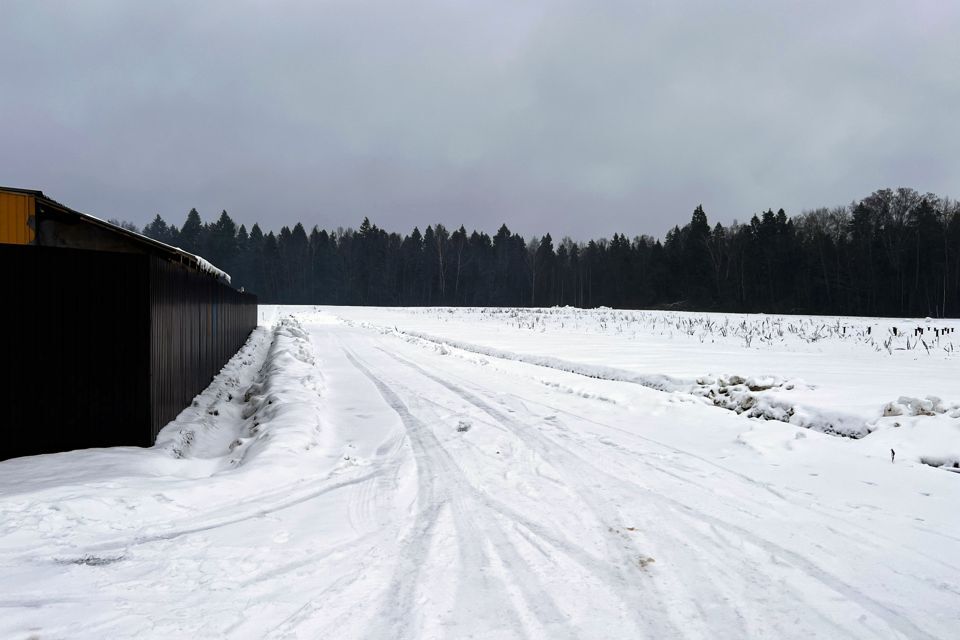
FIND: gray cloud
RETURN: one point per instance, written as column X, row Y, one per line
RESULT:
column 575, row 117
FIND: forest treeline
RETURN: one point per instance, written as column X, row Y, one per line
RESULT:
column 893, row 253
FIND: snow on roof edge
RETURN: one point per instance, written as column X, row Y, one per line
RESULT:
column 202, row 263
column 206, row 265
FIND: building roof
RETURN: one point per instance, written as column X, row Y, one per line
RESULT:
column 175, row 254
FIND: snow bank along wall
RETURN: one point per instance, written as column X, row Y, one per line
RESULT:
column 108, row 335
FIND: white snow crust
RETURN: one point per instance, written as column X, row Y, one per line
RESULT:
column 207, row 267
column 520, row 473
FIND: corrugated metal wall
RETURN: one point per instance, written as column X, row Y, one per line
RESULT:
column 15, row 212
column 103, row 349
column 197, row 324
column 74, row 367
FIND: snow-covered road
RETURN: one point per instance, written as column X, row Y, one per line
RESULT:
column 341, row 481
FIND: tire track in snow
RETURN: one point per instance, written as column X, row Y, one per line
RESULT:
column 670, row 471
column 620, row 569
column 894, row 618
column 764, row 486
column 146, row 538
column 440, row 485
column 368, row 506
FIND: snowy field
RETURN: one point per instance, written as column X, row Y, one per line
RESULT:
column 480, row 473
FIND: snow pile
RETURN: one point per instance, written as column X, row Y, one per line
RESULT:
column 922, row 429
column 929, row 406
column 204, row 430
column 272, row 413
column 281, row 416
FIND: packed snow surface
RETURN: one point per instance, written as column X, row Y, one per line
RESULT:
column 479, row 473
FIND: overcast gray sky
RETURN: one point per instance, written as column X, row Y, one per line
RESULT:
column 581, row 118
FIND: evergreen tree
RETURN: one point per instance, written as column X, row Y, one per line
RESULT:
column 191, row 232
column 221, row 243
column 158, row 230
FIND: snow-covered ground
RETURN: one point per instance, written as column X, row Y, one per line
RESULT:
column 435, row 473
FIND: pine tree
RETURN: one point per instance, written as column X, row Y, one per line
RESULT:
column 221, row 245
column 158, row 230
column 190, row 233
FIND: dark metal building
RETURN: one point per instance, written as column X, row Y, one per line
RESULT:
column 108, row 334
